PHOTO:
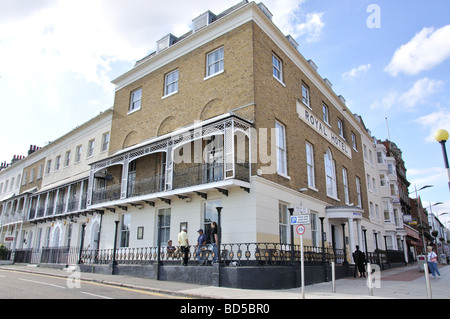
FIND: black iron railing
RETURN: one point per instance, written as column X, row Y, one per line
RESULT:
column 246, row 254
column 238, row 254
column 196, row 174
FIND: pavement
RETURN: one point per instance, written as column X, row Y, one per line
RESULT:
column 398, row 283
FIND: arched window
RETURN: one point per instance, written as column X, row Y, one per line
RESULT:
column 330, row 173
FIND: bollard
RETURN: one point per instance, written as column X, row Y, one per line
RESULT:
column 333, row 276
column 427, row 280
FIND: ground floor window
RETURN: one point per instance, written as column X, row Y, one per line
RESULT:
column 283, row 223
column 210, row 215
column 165, row 225
column 314, row 230
column 125, row 230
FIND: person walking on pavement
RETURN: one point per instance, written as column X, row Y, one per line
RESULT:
column 201, row 241
column 183, row 241
column 214, row 240
column 432, row 262
column 360, row 262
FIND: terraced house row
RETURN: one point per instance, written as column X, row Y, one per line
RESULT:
column 229, row 115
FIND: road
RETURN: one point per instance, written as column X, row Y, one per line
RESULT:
column 19, row 285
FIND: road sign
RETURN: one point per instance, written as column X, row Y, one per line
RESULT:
column 301, row 210
column 300, row 219
column 300, row 229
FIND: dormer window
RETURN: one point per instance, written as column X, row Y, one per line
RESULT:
column 165, row 42
column 202, row 21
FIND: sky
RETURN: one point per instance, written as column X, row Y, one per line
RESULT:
column 389, row 59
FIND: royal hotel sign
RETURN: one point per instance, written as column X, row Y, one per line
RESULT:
column 323, row 129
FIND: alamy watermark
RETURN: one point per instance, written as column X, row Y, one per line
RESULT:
column 374, row 276
column 374, row 19
column 74, row 279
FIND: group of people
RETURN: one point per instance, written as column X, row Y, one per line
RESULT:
column 360, row 262
column 202, row 240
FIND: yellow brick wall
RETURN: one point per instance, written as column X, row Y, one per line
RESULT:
column 197, row 99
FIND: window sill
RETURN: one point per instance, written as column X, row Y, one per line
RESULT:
column 132, row 111
column 332, row 197
column 213, row 75
column 169, row 95
column 284, row 175
column 279, row 81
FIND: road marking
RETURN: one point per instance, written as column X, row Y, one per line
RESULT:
column 94, row 295
column 42, row 283
column 165, row 295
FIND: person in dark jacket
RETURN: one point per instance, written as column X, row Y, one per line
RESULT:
column 360, row 262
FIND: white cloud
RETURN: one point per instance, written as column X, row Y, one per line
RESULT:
column 407, row 101
column 356, row 72
column 427, row 49
column 312, row 27
column 421, row 89
column 292, row 21
column 434, row 121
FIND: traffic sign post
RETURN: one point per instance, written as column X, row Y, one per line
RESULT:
column 301, row 230
column 300, row 220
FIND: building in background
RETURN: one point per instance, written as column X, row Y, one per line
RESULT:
column 228, row 118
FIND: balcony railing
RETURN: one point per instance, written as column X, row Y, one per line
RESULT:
column 197, row 174
column 106, row 194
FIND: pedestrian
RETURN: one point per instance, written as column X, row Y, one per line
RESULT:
column 432, row 262
column 170, row 247
column 183, row 241
column 201, row 242
column 360, row 262
column 214, row 239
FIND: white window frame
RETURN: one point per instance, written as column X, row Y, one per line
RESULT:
column 277, row 68
column 314, row 226
column 171, row 83
column 325, row 114
column 135, row 100
column 341, row 128
column 283, row 223
column 330, row 174
column 354, row 141
column 310, row 165
column 166, row 213
column 105, row 141
column 91, row 147
column 49, row 167
column 67, row 159
column 79, row 150
column 57, row 162
column 215, row 64
column 345, row 182
column 358, row 192
column 280, row 132
column 125, row 230
column 305, row 95
column 40, row 171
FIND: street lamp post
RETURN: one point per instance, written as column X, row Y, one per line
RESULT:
column 442, row 136
column 291, row 212
column 420, row 214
